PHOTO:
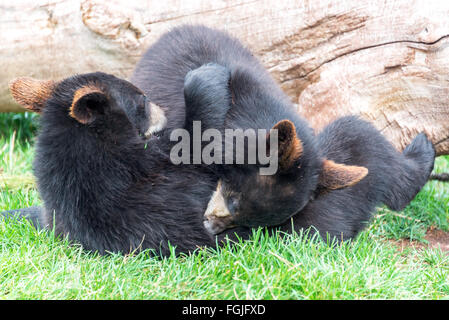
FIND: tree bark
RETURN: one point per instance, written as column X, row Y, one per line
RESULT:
column 384, row 60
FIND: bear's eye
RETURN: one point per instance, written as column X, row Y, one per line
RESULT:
column 232, row 204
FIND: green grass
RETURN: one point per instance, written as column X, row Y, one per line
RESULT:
column 37, row 265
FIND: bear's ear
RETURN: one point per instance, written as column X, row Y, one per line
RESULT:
column 31, row 93
column 289, row 145
column 88, row 102
column 336, row 176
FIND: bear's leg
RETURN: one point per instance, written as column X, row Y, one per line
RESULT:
column 413, row 170
column 207, row 95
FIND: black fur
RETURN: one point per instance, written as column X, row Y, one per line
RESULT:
column 258, row 103
column 249, row 99
column 394, row 179
column 107, row 187
column 253, row 102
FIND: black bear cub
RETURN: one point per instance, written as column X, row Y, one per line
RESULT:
column 255, row 102
column 104, row 180
column 345, row 148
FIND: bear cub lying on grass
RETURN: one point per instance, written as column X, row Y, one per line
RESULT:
column 103, row 183
column 393, row 178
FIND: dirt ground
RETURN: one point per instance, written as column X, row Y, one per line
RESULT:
column 435, row 237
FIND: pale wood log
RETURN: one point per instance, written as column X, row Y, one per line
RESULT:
column 385, row 60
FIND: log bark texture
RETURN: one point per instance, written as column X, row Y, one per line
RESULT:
column 386, row 60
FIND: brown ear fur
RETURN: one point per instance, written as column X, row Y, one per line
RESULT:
column 31, row 93
column 290, row 146
column 83, row 116
column 336, row 176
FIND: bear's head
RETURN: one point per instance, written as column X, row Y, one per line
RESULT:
column 244, row 197
column 97, row 102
